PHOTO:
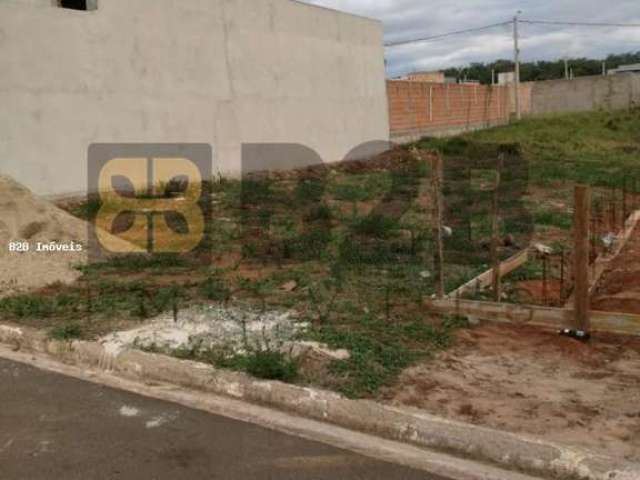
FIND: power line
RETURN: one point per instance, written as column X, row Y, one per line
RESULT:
column 580, row 24
column 494, row 25
column 444, row 35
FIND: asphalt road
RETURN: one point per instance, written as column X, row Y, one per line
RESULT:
column 56, row 427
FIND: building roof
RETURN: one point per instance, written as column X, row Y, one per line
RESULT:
column 633, row 67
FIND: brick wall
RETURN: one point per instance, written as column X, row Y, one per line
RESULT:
column 419, row 109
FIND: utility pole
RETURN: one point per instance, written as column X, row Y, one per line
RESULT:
column 566, row 68
column 604, row 69
column 516, row 59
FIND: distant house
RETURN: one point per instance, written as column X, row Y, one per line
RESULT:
column 433, row 77
column 506, row 78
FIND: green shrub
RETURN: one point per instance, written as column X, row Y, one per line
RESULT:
column 549, row 218
column 376, row 225
column 27, row 306
column 66, row 332
column 263, row 364
column 272, row 365
column 139, row 262
column 215, row 289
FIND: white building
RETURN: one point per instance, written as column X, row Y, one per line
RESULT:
column 222, row 72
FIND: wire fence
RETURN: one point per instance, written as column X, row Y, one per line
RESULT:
column 611, row 209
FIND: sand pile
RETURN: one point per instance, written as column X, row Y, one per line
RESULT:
column 27, row 219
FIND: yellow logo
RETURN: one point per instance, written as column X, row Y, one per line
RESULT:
column 150, row 206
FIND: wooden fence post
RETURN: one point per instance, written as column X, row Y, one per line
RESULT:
column 436, row 196
column 581, row 256
column 495, row 234
column 625, row 212
column 562, row 274
column 545, row 279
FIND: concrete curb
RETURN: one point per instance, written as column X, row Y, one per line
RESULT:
column 511, row 451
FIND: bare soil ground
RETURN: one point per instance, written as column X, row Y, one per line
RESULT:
column 619, row 287
column 535, row 292
column 507, row 377
column 522, row 379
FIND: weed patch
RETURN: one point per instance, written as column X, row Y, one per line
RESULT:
column 66, row 332
column 380, row 350
column 28, row 306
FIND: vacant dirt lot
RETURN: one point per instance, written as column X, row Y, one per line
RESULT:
column 619, row 288
column 527, row 380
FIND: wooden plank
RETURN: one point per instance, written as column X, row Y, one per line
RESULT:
column 501, row 312
column 581, row 226
column 548, row 317
column 486, row 279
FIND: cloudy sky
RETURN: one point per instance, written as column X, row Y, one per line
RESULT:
column 407, row 19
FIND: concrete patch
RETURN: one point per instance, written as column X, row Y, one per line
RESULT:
column 223, row 329
column 206, row 328
column 160, row 420
column 127, row 411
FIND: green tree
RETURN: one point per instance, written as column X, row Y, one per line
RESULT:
column 541, row 70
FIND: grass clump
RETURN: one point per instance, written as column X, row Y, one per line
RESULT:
column 599, row 148
column 380, row 350
column 28, row 306
column 67, row 332
column 263, row 364
column 214, row 288
column 138, row 262
column 361, row 187
column 271, row 365
column 87, row 209
column 376, row 226
column 550, row 218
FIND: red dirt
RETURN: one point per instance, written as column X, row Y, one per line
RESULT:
column 534, row 291
column 619, row 287
column 523, row 379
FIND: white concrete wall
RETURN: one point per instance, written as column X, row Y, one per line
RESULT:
column 222, row 72
column 611, row 92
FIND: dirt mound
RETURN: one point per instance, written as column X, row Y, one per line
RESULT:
column 26, row 219
column 527, row 380
column 397, row 159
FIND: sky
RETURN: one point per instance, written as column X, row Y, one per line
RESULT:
column 408, row 19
